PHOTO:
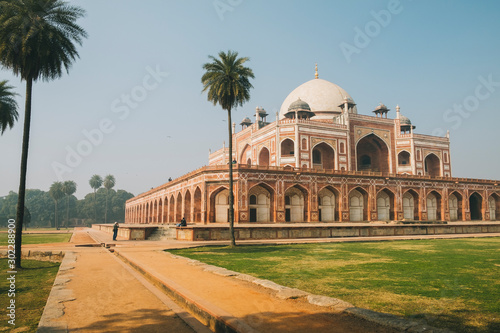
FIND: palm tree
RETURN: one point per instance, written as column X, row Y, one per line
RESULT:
column 56, row 192
column 95, row 182
column 69, row 188
column 36, row 42
column 109, row 183
column 227, row 83
column 8, row 107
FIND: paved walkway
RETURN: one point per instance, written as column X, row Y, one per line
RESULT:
column 95, row 291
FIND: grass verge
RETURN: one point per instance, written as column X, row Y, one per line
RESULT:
column 33, row 285
column 38, row 238
column 448, row 283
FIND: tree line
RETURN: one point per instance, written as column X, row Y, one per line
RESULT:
column 58, row 207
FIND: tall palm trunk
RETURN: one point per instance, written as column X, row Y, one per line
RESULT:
column 24, row 167
column 231, row 195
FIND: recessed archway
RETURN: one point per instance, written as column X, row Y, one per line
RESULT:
column 385, row 205
column 178, row 207
column 372, row 154
column 410, row 205
column 220, row 205
column 246, row 154
column 261, row 204
column 296, row 208
column 433, row 206
column 323, row 156
column 264, row 157
column 404, row 158
column 327, row 204
column 287, row 148
column 476, row 206
column 187, row 206
column 455, row 205
column 171, row 213
column 494, row 206
column 197, row 205
column 432, row 165
column 358, row 205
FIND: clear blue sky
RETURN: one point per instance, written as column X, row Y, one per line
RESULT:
column 427, row 56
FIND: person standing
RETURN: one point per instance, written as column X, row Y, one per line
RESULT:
column 115, row 230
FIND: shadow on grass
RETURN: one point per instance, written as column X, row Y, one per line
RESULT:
column 458, row 323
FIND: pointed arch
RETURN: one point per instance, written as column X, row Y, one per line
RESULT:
column 159, row 213
column 455, row 204
column 411, row 205
column 296, row 204
column 178, row 207
column 328, row 203
column 219, row 205
column 404, row 158
column 358, row 205
column 261, row 203
column 171, row 213
column 197, row 205
column 385, row 205
column 494, row 206
column 476, row 206
column 323, row 156
column 372, row 154
column 287, row 147
column 246, row 153
column 187, row 206
column 434, row 206
column 264, row 157
column 432, row 165
column 165, row 210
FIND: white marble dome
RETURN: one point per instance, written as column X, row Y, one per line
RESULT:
column 324, row 98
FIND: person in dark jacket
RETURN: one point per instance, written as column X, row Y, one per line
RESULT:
column 115, row 230
column 183, row 223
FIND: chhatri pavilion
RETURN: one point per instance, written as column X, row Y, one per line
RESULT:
column 322, row 161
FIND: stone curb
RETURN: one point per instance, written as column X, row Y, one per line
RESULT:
column 54, row 308
column 282, row 292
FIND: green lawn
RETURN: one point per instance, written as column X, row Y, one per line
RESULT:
column 448, row 283
column 38, row 238
column 33, row 285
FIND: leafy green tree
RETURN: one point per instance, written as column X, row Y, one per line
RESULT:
column 8, row 107
column 57, row 193
column 227, row 82
column 109, row 183
column 36, row 42
column 95, row 182
column 69, row 188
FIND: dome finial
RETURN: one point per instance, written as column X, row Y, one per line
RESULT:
column 316, row 74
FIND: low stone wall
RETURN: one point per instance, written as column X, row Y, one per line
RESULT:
column 200, row 233
column 127, row 232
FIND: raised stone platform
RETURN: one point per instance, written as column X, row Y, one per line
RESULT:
column 128, row 231
column 310, row 230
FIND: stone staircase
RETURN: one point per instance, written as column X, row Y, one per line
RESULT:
column 167, row 232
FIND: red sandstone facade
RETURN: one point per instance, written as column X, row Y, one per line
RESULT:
column 321, row 161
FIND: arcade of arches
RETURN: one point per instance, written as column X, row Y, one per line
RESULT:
column 268, row 202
